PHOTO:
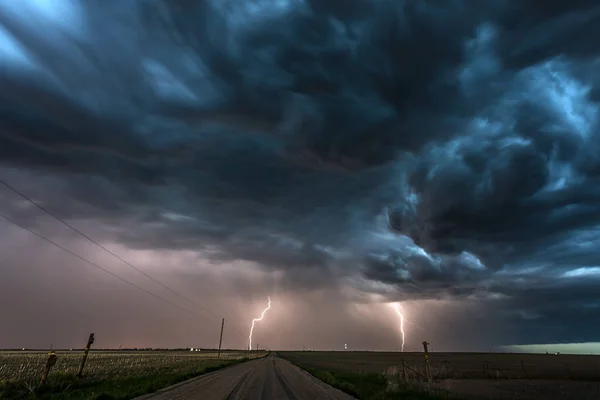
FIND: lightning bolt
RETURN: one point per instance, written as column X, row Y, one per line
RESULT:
column 255, row 320
column 398, row 309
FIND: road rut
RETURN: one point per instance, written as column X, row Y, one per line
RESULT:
column 269, row 378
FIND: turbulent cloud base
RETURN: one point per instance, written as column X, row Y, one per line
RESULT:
column 411, row 149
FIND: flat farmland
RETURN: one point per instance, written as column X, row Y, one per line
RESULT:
column 17, row 365
column 458, row 365
column 121, row 374
column 472, row 375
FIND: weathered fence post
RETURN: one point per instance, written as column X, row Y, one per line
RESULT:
column 427, row 367
column 85, row 354
column 524, row 370
column 49, row 364
column 403, row 371
column 221, row 338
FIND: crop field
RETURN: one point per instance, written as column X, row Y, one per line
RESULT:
column 459, row 365
column 30, row 365
column 473, row 375
column 113, row 374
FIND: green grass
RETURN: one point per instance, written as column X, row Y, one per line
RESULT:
column 69, row 387
column 369, row 385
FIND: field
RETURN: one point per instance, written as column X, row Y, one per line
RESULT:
column 471, row 375
column 29, row 366
column 461, row 365
column 366, row 375
column 114, row 374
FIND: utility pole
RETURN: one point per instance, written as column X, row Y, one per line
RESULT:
column 221, row 338
column 85, row 354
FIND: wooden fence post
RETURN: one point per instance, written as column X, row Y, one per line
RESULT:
column 403, row 372
column 221, row 338
column 524, row 370
column 49, row 364
column 85, row 354
column 427, row 367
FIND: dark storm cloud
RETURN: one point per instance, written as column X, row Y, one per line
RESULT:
column 441, row 147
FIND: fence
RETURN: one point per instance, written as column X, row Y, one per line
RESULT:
column 498, row 366
column 458, row 365
column 31, row 366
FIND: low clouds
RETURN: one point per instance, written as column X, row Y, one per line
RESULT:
column 445, row 150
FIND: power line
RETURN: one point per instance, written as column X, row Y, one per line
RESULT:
column 53, row 215
column 8, row 219
column 93, row 264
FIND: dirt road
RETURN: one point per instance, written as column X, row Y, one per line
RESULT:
column 270, row 378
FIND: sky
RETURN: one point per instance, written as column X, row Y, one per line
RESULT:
column 335, row 157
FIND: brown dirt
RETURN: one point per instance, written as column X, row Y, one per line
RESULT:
column 270, row 378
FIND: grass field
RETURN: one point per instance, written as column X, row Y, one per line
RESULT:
column 461, row 365
column 466, row 375
column 353, row 374
column 107, row 375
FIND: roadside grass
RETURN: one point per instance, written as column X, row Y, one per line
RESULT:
column 69, row 387
column 371, row 386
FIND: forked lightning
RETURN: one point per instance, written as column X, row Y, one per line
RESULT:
column 398, row 309
column 256, row 320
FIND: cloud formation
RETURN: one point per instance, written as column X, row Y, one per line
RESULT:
column 440, row 150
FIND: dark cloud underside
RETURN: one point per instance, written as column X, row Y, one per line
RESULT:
column 446, row 149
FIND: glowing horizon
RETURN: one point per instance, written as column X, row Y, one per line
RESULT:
column 566, row 348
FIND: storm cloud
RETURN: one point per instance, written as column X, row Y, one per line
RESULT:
column 410, row 149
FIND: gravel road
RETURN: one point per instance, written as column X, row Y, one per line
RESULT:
column 269, row 378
